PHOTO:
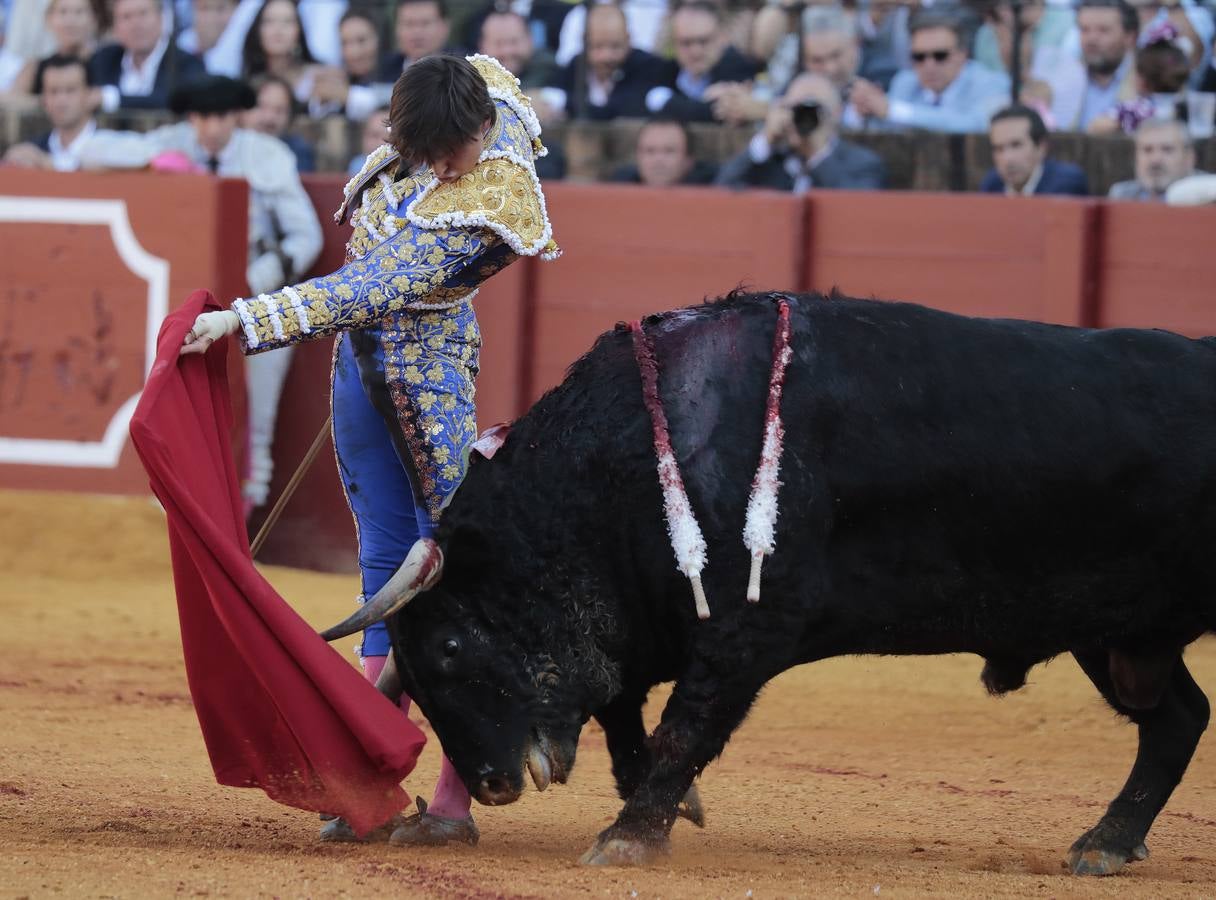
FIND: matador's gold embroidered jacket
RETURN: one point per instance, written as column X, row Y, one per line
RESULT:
column 413, row 264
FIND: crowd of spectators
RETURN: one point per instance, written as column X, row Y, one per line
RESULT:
column 805, row 76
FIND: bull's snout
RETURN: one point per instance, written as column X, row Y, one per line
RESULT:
column 496, row 789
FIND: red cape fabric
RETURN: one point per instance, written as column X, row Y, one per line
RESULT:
column 279, row 708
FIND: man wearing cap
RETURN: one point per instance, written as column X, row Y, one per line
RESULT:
column 284, row 234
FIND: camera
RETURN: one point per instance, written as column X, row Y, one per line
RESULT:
column 806, row 117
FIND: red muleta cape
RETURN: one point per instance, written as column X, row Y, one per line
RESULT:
column 279, row 708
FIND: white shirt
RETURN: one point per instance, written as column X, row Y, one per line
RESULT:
column 1031, row 183
column 141, row 81
column 67, row 158
column 134, row 82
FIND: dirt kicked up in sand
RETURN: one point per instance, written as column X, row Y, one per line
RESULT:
column 854, row 777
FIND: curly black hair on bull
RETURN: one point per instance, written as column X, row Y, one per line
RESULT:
column 592, row 486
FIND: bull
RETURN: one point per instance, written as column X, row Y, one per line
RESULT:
column 1005, row 488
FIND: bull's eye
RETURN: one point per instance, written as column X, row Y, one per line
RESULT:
column 451, row 647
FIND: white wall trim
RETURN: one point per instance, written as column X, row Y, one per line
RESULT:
column 103, row 454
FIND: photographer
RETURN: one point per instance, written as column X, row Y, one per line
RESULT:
column 800, row 147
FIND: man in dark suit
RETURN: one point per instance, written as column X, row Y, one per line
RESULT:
column 663, row 157
column 420, row 28
column 705, row 62
column 1019, row 154
column 800, row 148
column 617, row 77
column 143, row 67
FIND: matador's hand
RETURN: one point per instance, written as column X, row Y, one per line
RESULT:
column 208, row 328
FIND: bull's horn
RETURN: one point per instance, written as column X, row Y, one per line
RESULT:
column 421, row 569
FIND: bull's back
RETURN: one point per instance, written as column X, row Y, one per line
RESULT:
column 965, row 483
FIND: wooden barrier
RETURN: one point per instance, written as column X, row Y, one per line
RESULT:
column 628, row 251
column 90, row 267
column 976, row 255
column 1157, row 268
column 92, row 261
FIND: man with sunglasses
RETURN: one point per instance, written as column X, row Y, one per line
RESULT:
column 943, row 91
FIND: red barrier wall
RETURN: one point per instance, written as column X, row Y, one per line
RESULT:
column 74, row 327
column 628, row 251
column 1158, row 268
column 90, row 266
column 976, row 255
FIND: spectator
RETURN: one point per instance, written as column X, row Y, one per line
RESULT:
column 1161, row 73
column 208, row 20
column 218, row 32
column 800, row 148
column 23, row 37
column 883, row 27
column 505, row 37
column 1190, row 21
column 706, row 68
column 276, row 45
column 542, row 18
column 618, row 76
column 375, row 133
column 943, row 91
column 1104, row 76
column 421, row 28
column 140, row 70
column 273, row 113
column 1021, row 164
column 284, row 233
column 663, row 157
column 1047, row 27
column 74, row 26
column 644, row 21
column 353, row 89
column 830, row 49
column 65, row 100
column 1163, row 155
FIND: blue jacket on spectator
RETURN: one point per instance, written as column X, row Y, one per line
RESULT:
column 965, row 105
column 1057, row 178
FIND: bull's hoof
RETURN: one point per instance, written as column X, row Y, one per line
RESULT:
column 619, row 851
column 690, row 808
column 1097, row 852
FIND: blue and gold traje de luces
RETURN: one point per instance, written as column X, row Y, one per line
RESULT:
column 417, row 255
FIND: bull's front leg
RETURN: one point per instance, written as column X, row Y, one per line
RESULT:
column 703, row 711
column 625, row 734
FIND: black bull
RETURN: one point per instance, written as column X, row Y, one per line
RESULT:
column 1004, row 488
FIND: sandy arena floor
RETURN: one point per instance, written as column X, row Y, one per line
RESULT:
column 855, row 777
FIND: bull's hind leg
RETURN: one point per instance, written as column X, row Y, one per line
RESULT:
column 626, row 737
column 1169, row 733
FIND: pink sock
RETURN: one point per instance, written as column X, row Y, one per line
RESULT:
column 451, row 801
column 372, row 667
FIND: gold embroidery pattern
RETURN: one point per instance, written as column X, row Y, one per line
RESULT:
column 500, row 190
column 430, row 363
